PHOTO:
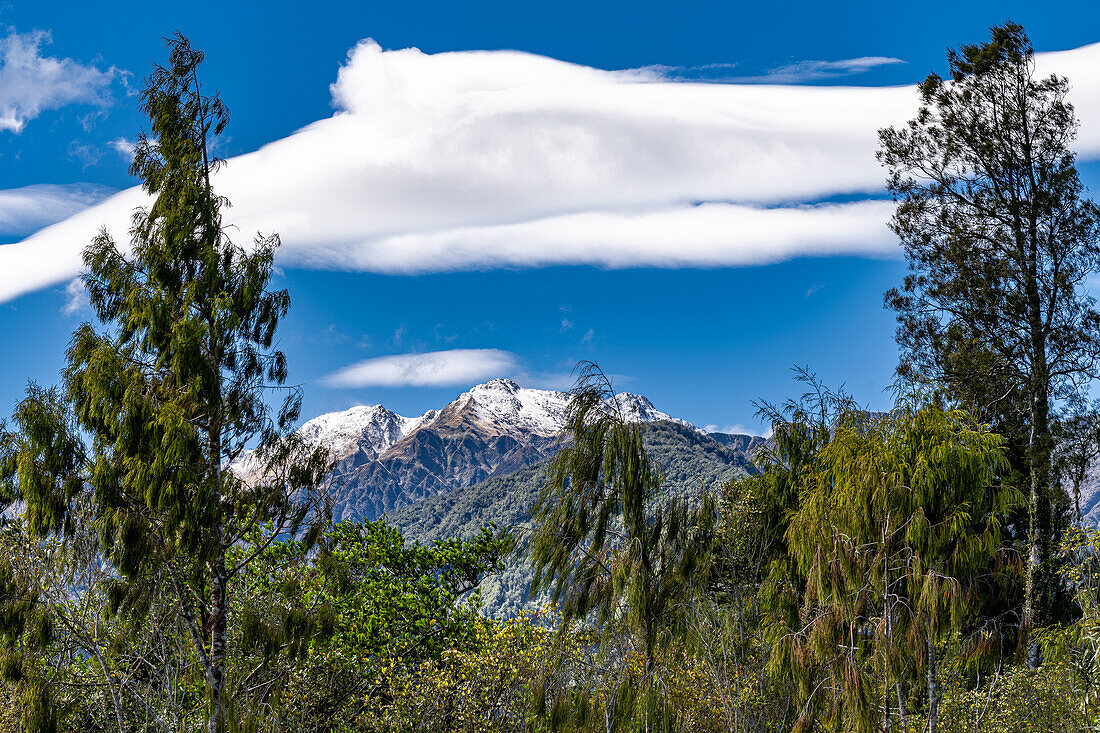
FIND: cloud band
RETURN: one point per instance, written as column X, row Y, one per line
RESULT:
column 472, row 160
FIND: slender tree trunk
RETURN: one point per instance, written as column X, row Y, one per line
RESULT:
column 648, row 675
column 889, row 608
column 216, row 670
column 901, row 707
column 885, row 707
column 93, row 645
column 933, row 687
column 1037, row 590
column 218, row 594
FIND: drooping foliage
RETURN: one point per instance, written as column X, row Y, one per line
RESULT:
column 165, row 562
column 897, row 542
column 606, row 545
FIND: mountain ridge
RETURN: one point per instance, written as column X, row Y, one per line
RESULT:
column 383, row 461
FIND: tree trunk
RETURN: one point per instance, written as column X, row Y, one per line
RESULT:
column 218, row 592
column 933, row 688
column 115, row 701
column 1037, row 590
column 901, row 707
column 218, row 640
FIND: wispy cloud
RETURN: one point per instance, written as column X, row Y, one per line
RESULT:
column 24, row 210
column 86, row 155
column 432, row 369
column 76, row 297
column 125, row 148
column 475, row 160
column 31, row 82
column 700, row 72
column 800, row 72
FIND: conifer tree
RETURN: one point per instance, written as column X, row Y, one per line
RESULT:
column 608, row 544
column 170, row 390
column 897, row 536
column 1000, row 238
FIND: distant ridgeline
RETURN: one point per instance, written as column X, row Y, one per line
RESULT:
column 482, row 458
column 384, row 461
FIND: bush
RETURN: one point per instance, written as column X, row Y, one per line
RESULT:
column 1031, row 701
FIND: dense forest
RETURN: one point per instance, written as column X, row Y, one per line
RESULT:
column 922, row 569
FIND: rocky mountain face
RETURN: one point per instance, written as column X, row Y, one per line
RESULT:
column 690, row 459
column 384, row 461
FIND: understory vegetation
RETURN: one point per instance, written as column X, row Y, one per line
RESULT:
column 920, row 569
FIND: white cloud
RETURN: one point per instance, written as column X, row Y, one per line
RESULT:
column 76, row 297
column 706, row 235
column 433, row 369
column 803, row 71
column 473, row 160
column 125, row 148
column 737, row 429
column 31, row 82
column 23, row 210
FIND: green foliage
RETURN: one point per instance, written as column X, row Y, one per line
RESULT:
column 482, row 685
column 860, row 575
column 891, row 549
column 518, row 675
column 690, row 461
column 167, row 392
column 1000, row 237
column 1032, row 701
column 371, row 606
column 610, row 549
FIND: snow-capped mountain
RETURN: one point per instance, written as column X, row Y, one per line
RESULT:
column 500, row 404
column 384, row 460
column 368, row 428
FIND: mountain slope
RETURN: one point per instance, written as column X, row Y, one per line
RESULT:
column 384, row 461
column 690, row 459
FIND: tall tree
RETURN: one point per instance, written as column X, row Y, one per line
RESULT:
column 169, row 392
column 999, row 237
column 897, row 535
column 608, row 544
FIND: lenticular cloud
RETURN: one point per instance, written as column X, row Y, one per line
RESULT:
column 471, row 160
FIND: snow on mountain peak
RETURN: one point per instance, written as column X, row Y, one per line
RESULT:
column 360, row 427
column 504, row 403
column 500, row 383
column 637, row 408
column 500, row 404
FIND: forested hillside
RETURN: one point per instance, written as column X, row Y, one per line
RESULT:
column 693, row 462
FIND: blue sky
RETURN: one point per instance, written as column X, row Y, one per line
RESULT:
column 701, row 332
